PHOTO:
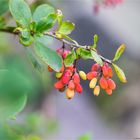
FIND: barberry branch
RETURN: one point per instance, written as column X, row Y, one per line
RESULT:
column 13, row 30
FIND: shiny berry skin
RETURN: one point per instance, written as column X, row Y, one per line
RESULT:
column 105, row 71
column 109, row 91
column 59, row 85
column 91, row 75
column 69, row 93
column 111, row 84
column 83, row 75
column 103, row 83
column 76, row 78
column 96, row 90
column 95, row 67
column 93, row 82
column 78, row 88
column 71, row 85
column 66, row 77
column 110, row 72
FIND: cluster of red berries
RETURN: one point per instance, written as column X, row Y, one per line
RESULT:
column 68, row 78
column 106, row 3
column 101, row 75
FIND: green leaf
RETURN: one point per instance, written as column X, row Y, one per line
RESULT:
column 46, row 23
column 96, row 58
column 42, row 11
column 83, row 53
column 119, row 52
column 25, row 37
column 96, row 38
column 2, row 22
column 66, row 27
column 3, row 6
column 10, row 106
column 120, row 73
column 20, row 12
column 70, row 58
column 49, row 56
column 35, row 61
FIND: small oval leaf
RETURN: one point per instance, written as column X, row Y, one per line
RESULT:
column 97, row 58
column 120, row 73
column 21, row 12
column 119, row 52
column 49, row 56
column 70, row 59
column 66, row 27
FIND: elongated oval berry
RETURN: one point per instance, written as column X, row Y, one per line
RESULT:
column 105, row 71
column 111, row 84
column 71, row 85
column 96, row 91
column 110, row 72
column 59, row 85
column 76, row 78
column 66, row 77
column 93, row 82
column 83, row 75
column 109, row 91
column 92, row 75
column 103, row 83
column 69, row 93
column 78, row 88
column 95, row 67
column 58, row 75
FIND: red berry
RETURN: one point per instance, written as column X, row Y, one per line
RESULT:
column 111, row 84
column 105, row 71
column 78, row 88
column 76, row 78
column 103, row 83
column 95, row 67
column 59, row 85
column 109, row 91
column 110, row 72
column 66, row 77
column 62, row 69
column 91, row 75
column 71, row 85
column 65, row 53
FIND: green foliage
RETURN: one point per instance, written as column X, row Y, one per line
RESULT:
column 42, row 11
column 119, row 52
column 83, row 53
column 66, row 27
column 49, row 56
column 46, row 23
column 70, row 58
column 3, row 6
column 35, row 61
column 120, row 73
column 45, row 17
column 97, row 58
column 26, row 38
column 20, row 12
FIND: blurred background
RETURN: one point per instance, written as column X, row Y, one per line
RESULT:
column 48, row 114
